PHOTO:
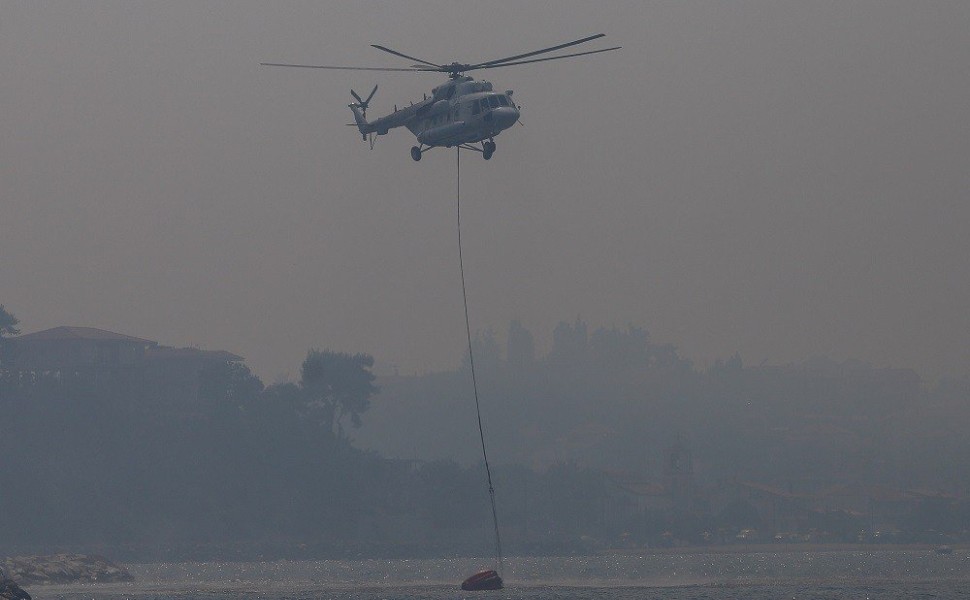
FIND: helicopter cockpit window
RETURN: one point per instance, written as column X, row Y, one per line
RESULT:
column 493, row 101
column 503, row 101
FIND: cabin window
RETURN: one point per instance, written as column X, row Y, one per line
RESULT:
column 493, row 101
column 476, row 107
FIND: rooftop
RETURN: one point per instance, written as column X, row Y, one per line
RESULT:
column 64, row 333
column 167, row 352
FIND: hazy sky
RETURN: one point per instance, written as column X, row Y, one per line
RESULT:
column 780, row 179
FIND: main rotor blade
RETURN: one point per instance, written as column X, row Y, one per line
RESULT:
column 543, row 51
column 396, row 53
column 342, row 68
column 535, row 60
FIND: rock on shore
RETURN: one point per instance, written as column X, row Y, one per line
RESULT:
column 63, row 568
column 9, row 590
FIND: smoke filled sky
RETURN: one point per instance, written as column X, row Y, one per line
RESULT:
column 778, row 179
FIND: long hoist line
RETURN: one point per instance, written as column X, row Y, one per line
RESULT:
column 471, row 362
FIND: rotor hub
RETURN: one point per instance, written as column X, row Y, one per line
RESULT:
column 456, row 69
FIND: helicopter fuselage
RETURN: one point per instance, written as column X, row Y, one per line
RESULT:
column 460, row 111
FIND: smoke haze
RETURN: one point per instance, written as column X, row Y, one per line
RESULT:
column 781, row 180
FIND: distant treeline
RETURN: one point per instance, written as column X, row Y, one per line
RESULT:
column 224, row 466
column 613, row 398
column 97, row 460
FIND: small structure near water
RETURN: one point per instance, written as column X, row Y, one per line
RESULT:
column 63, row 568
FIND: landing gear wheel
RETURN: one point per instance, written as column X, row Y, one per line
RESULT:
column 488, row 149
column 415, row 153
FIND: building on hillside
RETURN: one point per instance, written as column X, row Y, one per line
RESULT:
column 106, row 357
column 882, row 507
column 627, row 498
column 180, row 373
column 63, row 349
column 679, row 475
column 778, row 509
column 845, row 389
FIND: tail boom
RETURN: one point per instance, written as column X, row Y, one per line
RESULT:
column 362, row 125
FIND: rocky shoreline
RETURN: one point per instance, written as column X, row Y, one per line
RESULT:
column 63, row 568
column 9, row 590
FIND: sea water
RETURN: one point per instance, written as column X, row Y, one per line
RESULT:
column 751, row 576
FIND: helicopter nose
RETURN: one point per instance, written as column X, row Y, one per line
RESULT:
column 505, row 116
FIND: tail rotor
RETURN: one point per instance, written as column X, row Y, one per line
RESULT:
column 363, row 104
column 360, row 115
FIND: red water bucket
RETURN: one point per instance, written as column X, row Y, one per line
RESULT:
column 483, row 580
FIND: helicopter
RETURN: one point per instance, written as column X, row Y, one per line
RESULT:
column 461, row 112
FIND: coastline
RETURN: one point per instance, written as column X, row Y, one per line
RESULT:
column 779, row 548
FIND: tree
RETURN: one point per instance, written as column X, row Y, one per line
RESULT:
column 617, row 350
column 739, row 514
column 521, row 346
column 336, row 386
column 229, row 382
column 8, row 326
column 488, row 355
column 8, row 323
column 569, row 344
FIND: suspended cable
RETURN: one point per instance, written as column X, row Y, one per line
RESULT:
column 471, row 362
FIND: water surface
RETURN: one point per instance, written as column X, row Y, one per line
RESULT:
column 752, row 576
